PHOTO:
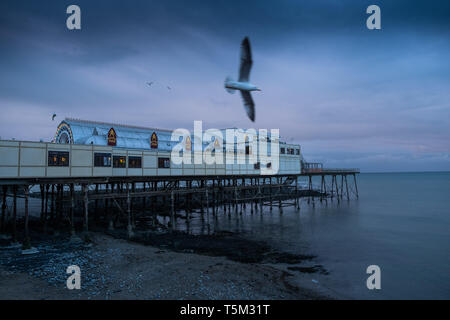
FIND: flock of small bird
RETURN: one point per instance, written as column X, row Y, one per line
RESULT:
column 151, row 83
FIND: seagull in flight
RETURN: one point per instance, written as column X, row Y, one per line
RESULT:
column 243, row 84
column 53, row 116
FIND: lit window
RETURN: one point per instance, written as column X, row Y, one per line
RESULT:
column 58, row 159
column 119, row 162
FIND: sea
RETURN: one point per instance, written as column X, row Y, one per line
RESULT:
column 400, row 222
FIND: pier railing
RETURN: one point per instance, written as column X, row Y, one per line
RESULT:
column 330, row 170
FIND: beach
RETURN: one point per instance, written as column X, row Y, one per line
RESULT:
column 114, row 268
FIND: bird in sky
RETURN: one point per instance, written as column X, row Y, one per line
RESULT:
column 243, row 84
column 53, row 116
column 154, row 82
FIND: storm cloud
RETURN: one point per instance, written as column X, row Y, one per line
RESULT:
column 352, row 97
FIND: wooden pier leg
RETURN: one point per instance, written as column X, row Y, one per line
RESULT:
column 144, row 198
column 42, row 189
column 207, row 206
column 346, row 187
column 260, row 198
column 2, row 221
column 322, row 183
column 133, row 190
column 297, row 202
column 45, row 218
column 172, row 211
column 342, row 186
column 280, row 206
column 129, row 208
column 235, row 200
column 188, row 209
column 356, row 186
column 72, row 209
column 332, row 186
column 270, row 194
column 337, row 189
column 14, row 222
column 96, row 214
column 86, row 209
column 213, row 198
column 108, row 213
column 52, row 204
column 223, row 196
column 26, row 241
column 230, row 197
column 310, row 188
column 58, row 208
column 202, row 185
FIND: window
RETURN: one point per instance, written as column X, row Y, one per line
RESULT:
column 58, row 159
column 256, row 166
column 297, row 151
column 269, row 165
column 247, row 149
column 102, row 159
column 119, row 162
column 163, row 163
column 282, row 151
column 134, row 162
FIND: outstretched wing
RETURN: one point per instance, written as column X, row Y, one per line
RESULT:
column 246, row 61
column 248, row 104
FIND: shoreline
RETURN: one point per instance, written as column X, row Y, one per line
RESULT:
column 160, row 266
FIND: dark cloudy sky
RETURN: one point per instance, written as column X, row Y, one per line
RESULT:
column 378, row 100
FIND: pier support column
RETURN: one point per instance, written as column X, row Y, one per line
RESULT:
column 86, row 208
column 42, row 189
column 270, row 194
column 356, row 186
column 52, row 203
column 45, row 218
column 96, row 214
column 130, row 225
column 346, row 187
column 332, row 186
column 2, row 220
column 26, row 240
column 207, row 206
column 172, row 211
column 108, row 215
column 14, row 221
column 72, row 209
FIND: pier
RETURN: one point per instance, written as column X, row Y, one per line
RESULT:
column 75, row 204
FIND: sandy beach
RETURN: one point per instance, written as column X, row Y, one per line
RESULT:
column 113, row 268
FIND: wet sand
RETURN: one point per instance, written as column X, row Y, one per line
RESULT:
column 160, row 266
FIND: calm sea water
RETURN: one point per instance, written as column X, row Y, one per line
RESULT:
column 401, row 223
